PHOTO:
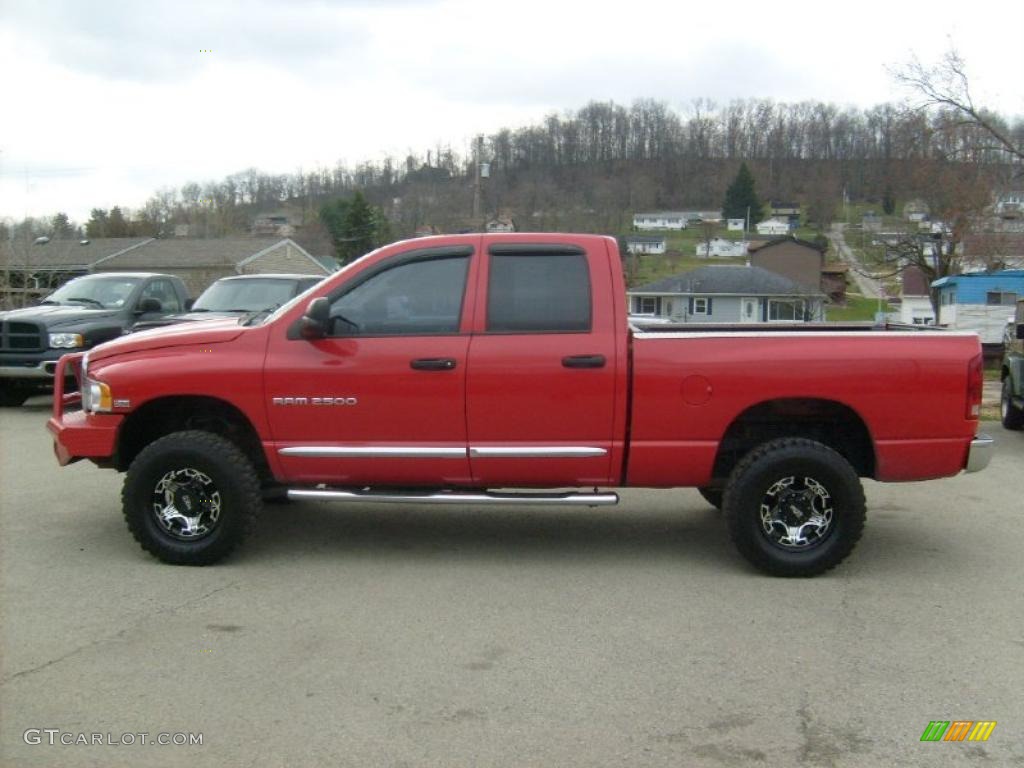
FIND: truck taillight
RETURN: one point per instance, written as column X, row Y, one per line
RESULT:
column 975, row 380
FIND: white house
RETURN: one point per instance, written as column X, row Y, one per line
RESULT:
column 660, row 220
column 735, row 225
column 1010, row 204
column 727, row 293
column 645, row 244
column 501, row 224
column 915, row 304
column 773, row 227
column 722, row 248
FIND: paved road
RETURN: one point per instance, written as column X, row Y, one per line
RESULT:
column 444, row 637
column 868, row 286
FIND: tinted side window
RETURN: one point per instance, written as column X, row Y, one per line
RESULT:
column 163, row 291
column 532, row 293
column 415, row 298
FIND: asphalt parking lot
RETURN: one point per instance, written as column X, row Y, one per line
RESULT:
column 401, row 636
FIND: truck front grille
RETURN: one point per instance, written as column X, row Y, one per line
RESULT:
column 21, row 337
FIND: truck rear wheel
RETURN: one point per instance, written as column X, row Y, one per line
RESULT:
column 794, row 507
column 190, row 497
column 1012, row 416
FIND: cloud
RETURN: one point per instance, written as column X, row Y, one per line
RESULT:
column 163, row 40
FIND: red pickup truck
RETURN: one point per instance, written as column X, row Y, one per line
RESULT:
column 433, row 370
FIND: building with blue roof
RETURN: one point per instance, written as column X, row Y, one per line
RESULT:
column 982, row 302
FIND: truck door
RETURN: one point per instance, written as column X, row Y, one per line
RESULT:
column 382, row 399
column 541, row 385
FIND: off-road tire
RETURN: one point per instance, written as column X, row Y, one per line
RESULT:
column 749, row 500
column 214, row 458
column 712, row 495
column 1011, row 416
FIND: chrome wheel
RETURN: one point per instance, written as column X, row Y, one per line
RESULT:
column 186, row 504
column 796, row 512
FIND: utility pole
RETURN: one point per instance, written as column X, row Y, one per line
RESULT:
column 477, row 155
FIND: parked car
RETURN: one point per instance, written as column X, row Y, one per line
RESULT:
column 239, row 295
column 477, row 369
column 1011, row 403
column 79, row 315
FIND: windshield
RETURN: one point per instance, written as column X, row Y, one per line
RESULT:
column 244, row 295
column 97, row 291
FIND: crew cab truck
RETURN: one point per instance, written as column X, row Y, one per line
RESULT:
column 80, row 314
column 431, row 371
column 1011, row 401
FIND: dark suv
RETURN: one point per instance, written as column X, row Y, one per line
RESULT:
column 79, row 315
column 239, row 295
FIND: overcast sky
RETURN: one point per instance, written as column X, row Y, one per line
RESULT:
column 106, row 102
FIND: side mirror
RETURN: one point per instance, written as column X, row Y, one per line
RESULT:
column 146, row 306
column 1020, row 331
column 189, row 303
column 314, row 322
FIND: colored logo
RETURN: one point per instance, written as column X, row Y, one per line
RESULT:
column 958, row 730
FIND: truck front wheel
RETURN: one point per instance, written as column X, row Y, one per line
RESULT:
column 12, row 395
column 1012, row 416
column 190, row 497
column 794, row 507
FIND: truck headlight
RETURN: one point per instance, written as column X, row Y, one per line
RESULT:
column 66, row 340
column 96, row 397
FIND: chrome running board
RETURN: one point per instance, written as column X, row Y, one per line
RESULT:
column 571, row 499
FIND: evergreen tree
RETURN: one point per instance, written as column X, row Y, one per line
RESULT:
column 117, row 225
column 355, row 226
column 332, row 216
column 96, row 226
column 888, row 203
column 360, row 227
column 62, row 229
column 740, row 196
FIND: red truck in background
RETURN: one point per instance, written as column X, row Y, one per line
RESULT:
column 432, row 370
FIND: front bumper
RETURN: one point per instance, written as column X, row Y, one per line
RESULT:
column 77, row 434
column 980, row 453
column 29, row 368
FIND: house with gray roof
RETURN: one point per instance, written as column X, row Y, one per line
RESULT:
column 34, row 270
column 728, row 293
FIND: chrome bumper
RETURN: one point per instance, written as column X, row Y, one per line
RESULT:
column 980, row 454
column 43, row 370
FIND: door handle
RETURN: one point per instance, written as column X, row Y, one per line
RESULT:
column 433, row 364
column 583, row 361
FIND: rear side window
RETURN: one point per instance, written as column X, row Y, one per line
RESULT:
column 538, row 293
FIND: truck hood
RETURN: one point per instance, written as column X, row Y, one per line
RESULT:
column 187, row 317
column 58, row 315
column 187, row 334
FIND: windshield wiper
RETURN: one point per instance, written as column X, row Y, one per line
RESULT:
column 86, row 300
column 251, row 319
column 49, row 301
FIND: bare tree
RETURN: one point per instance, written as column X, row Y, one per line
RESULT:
column 946, row 85
column 955, row 194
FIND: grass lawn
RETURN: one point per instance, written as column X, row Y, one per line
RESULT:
column 994, row 373
column 857, row 308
